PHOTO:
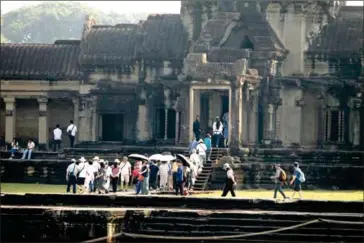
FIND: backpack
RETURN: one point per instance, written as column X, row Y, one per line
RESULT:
column 282, row 176
column 302, row 177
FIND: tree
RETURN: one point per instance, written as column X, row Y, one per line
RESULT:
column 50, row 21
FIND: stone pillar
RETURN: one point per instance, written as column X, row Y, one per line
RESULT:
column 177, row 127
column 142, row 123
column 76, row 107
column 43, row 124
column 268, row 123
column 10, row 117
column 165, row 123
column 85, row 119
column 235, row 125
column 190, row 118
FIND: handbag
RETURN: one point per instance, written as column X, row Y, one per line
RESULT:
column 140, row 178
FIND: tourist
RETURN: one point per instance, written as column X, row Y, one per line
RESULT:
column 195, row 159
column 115, row 173
column 164, row 172
column 207, row 142
column 154, row 169
column 14, row 148
column 225, row 123
column 180, row 178
column 188, row 177
column 72, row 130
column 194, row 173
column 217, row 128
column 90, row 177
column 174, row 174
column 201, row 150
column 71, row 176
column 197, row 128
column 82, row 166
column 57, row 138
column 29, row 149
column 101, row 177
column 229, row 181
column 135, row 180
column 125, row 173
column 97, row 179
column 297, row 179
column 280, row 179
column 106, row 179
column 139, row 164
column 145, row 178
column 192, row 146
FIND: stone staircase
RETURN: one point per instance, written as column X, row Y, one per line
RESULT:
column 192, row 224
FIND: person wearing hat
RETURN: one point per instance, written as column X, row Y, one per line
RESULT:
column 279, row 179
column 217, row 128
column 201, row 150
column 81, row 173
column 229, row 181
column 71, row 176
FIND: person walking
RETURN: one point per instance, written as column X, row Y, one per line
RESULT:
column 57, row 138
column 115, row 173
column 201, row 150
column 145, row 178
column 192, row 146
column 164, row 170
column 153, row 176
column 179, row 178
column 72, row 130
column 106, row 179
column 71, row 176
column 229, row 181
column 90, row 177
column 125, row 173
column 297, row 179
column 135, row 180
column 280, row 180
column 97, row 179
column 29, row 149
column 82, row 166
column 207, row 142
column 197, row 128
column 217, row 128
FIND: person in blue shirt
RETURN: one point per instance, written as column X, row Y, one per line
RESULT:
column 153, row 175
column 297, row 179
column 207, row 142
column 179, row 178
column 192, row 146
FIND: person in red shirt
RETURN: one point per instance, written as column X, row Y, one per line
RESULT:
column 134, row 178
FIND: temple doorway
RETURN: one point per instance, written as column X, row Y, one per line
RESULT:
column 112, row 127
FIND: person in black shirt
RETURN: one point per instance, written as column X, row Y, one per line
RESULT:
column 197, row 128
column 229, row 181
column 145, row 174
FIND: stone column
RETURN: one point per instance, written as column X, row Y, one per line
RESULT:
column 85, row 119
column 43, row 124
column 190, row 118
column 165, row 123
column 268, row 123
column 177, row 128
column 235, row 115
column 76, row 107
column 10, row 117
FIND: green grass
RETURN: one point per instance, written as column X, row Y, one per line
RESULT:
column 262, row 194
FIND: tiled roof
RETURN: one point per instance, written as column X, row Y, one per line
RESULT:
column 111, row 45
column 343, row 36
column 165, row 37
column 40, row 61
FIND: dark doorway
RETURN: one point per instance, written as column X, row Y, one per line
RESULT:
column 204, row 111
column 161, row 123
column 171, row 129
column 224, row 104
column 112, row 127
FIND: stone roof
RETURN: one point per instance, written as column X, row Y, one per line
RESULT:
column 40, row 61
column 342, row 36
column 111, row 45
column 165, row 38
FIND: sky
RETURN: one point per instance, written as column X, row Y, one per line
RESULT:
column 121, row 6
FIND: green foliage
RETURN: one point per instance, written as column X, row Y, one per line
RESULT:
column 50, row 21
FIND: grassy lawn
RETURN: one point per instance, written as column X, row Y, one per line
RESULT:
column 262, row 194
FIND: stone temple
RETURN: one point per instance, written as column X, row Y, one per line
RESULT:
column 288, row 74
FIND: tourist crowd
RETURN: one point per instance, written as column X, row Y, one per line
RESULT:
column 100, row 176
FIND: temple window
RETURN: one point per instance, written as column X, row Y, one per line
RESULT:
column 247, row 44
column 334, row 126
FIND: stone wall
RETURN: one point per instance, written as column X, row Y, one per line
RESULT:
column 310, row 113
column 2, row 118
column 27, row 115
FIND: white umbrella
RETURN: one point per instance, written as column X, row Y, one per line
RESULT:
column 157, row 157
column 184, row 159
column 168, row 157
column 138, row 156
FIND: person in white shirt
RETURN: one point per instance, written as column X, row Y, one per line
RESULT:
column 71, row 175
column 29, row 149
column 195, row 159
column 72, row 130
column 125, row 173
column 217, row 128
column 107, row 175
column 82, row 166
column 96, row 166
column 201, row 149
column 57, row 138
column 90, row 177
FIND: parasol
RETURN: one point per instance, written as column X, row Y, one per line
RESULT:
column 168, row 157
column 138, row 156
column 184, row 159
column 157, row 157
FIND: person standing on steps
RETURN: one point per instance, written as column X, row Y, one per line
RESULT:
column 72, row 130
column 57, row 138
column 229, row 181
column 207, row 142
column 297, row 179
column 180, row 178
column 197, row 128
column 201, row 150
column 280, row 180
column 217, row 128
